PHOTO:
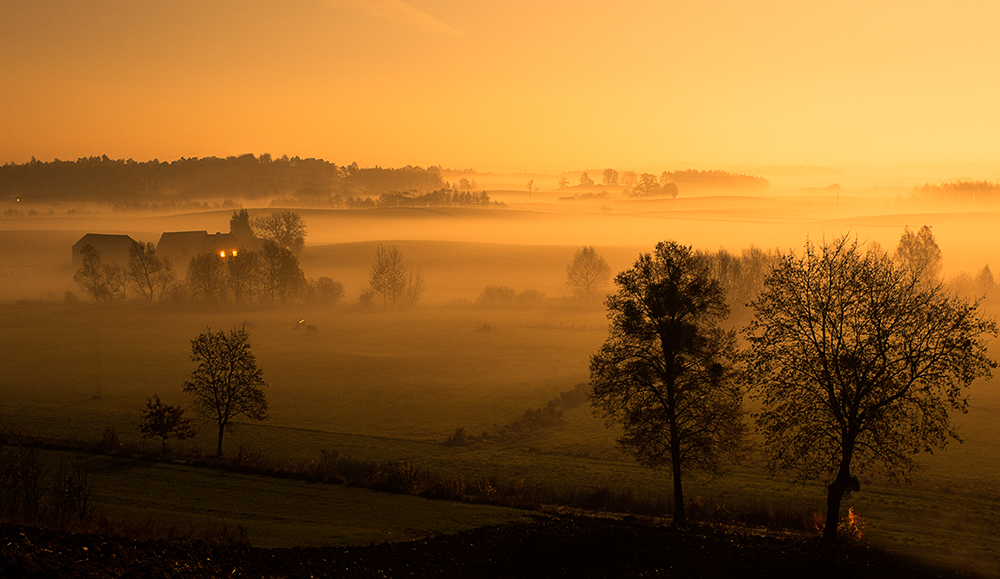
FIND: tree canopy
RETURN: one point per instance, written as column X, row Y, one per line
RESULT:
column 164, row 421
column 666, row 372
column 920, row 254
column 587, row 273
column 857, row 364
column 227, row 382
column 285, row 228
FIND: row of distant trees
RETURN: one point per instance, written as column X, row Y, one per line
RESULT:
column 668, row 182
column 967, row 192
column 127, row 184
column 445, row 197
column 855, row 358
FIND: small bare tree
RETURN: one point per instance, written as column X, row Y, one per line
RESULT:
column 227, row 382
column 94, row 276
column 587, row 273
column 388, row 274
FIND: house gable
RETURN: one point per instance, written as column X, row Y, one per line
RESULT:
column 113, row 248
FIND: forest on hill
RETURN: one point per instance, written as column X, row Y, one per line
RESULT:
column 128, row 184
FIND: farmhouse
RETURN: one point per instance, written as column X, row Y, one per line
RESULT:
column 181, row 246
column 113, row 248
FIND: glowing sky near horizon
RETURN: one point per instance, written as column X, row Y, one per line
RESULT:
column 513, row 85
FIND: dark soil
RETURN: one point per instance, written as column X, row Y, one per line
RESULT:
column 560, row 546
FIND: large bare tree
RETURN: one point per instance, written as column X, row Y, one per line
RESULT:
column 857, row 363
column 285, row 228
column 146, row 272
column 227, row 382
column 666, row 372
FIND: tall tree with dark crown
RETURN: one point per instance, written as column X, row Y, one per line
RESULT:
column 227, row 382
column 666, row 373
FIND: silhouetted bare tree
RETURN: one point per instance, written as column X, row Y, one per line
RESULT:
column 388, row 274
column 587, row 273
column 227, row 382
column 146, row 272
column 856, row 363
column 94, row 275
column 281, row 276
column 244, row 279
column 919, row 253
column 206, row 277
column 284, row 228
column 666, row 371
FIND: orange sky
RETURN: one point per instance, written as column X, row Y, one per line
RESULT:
column 512, row 85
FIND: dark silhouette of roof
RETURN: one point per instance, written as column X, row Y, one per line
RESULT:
column 181, row 246
column 113, row 247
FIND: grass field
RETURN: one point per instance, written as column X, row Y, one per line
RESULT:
column 392, row 384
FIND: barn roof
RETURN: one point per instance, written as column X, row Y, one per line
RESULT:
column 113, row 247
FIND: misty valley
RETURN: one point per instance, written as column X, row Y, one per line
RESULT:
column 428, row 358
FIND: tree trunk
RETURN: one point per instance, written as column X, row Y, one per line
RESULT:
column 835, row 495
column 680, row 516
column 218, row 450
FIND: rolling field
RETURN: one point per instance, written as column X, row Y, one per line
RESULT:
column 391, row 384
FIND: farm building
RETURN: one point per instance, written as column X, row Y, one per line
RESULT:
column 113, row 248
column 181, row 246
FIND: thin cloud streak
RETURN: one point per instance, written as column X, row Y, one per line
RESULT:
column 715, row 35
column 401, row 13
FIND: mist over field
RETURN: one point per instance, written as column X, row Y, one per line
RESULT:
column 395, row 382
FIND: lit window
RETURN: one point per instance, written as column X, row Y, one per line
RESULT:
column 222, row 254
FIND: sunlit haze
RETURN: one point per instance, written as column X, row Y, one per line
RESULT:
column 507, row 256
column 514, row 85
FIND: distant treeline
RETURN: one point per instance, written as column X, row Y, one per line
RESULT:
column 670, row 183
column 960, row 191
column 444, row 197
column 128, row 184
column 718, row 179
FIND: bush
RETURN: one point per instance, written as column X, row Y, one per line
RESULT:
column 496, row 297
column 327, row 290
column 457, row 438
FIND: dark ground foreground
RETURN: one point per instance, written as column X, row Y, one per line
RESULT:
column 561, row 546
